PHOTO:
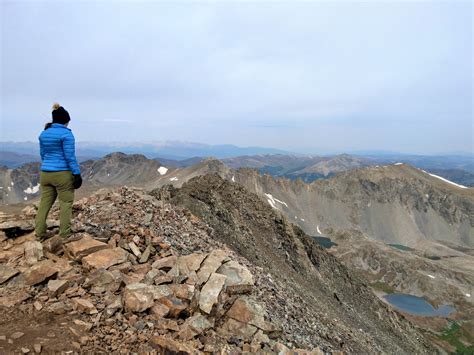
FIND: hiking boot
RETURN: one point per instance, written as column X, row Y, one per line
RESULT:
column 45, row 236
column 72, row 238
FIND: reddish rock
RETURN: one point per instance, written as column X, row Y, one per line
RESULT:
column 168, row 345
column 138, row 297
column 103, row 259
column 165, row 263
column 84, row 306
column 159, row 310
column 40, row 272
column 188, row 263
column 83, row 247
column 6, row 273
column 33, row 252
column 247, row 311
column 56, row 287
column 236, row 274
column 232, row 328
column 175, row 305
column 183, row 291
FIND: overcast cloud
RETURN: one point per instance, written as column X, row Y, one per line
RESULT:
column 303, row 76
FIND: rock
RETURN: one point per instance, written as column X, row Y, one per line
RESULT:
column 169, row 346
column 165, row 263
column 260, row 338
column 247, row 311
column 103, row 259
column 134, row 249
column 84, row 306
column 6, row 273
column 114, row 306
column 53, row 244
column 83, row 326
column 195, row 325
column 56, row 287
column 39, row 272
column 146, row 254
column 12, row 299
column 38, row 306
column 210, row 292
column 175, row 305
column 37, row 348
column 58, row 308
column 188, row 263
column 102, row 281
column 159, row 310
column 183, row 291
column 17, row 335
column 161, row 291
column 25, row 350
column 83, row 247
column 167, row 324
column 233, row 327
column 236, row 274
column 33, row 252
column 210, row 265
column 138, row 297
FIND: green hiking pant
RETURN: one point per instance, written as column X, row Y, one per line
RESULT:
column 55, row 184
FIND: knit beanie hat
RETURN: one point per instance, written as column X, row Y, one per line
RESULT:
column 60, row 115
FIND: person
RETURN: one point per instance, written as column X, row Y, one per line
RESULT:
column 60, row 174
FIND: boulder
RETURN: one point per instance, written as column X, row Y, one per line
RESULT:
column 188, row 263
column 234, row 328
column 159, row 310
column 248, row 311
column 40, row 272
column 210, row 292
column 167, row 345
column 182, row 291
column 33, row 252
column 84, row 306
column 103, row 259
column 6, row 273
column 236, row 274
column 56, row 287
column 195, row 325
column 175, row 305
column 210, row 265
column 83, row 247
column 165, row 263
column 138, row 297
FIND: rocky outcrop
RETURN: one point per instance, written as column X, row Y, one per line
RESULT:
column 192, row 298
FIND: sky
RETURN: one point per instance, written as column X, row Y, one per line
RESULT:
column 308, row 76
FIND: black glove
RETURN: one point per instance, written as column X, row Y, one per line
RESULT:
column 77, row 181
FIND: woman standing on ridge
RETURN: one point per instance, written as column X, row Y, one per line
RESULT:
column 60, row 174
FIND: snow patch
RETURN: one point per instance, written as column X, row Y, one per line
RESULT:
column 302, row 219
column 1, row 187
column 398, row 164
column 32, row 190
column 445, row 180
column 233, row 178
column 431, row 277
column 174, row 178
column 25, row 198
column 274, row 200
column 12, row 183
column 162, row 170
column 468, row 295
column 319, row 231
column 9, row 188
column 108, row 174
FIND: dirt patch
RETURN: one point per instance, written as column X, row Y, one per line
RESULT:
column 49, row 330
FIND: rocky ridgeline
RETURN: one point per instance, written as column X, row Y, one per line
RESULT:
column 145, row 276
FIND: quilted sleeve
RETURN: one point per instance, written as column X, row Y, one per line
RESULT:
column 70, row 153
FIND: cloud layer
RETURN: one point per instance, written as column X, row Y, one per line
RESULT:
column 304, row 76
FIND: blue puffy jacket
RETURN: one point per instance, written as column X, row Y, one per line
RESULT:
column 57, row 149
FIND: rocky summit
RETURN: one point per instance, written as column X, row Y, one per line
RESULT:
column 184, row 271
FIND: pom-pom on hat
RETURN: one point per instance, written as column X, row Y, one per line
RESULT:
column 60, row 115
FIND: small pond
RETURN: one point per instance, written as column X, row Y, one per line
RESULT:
column 401, row 247
column 417, row 305
column 324, row 242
